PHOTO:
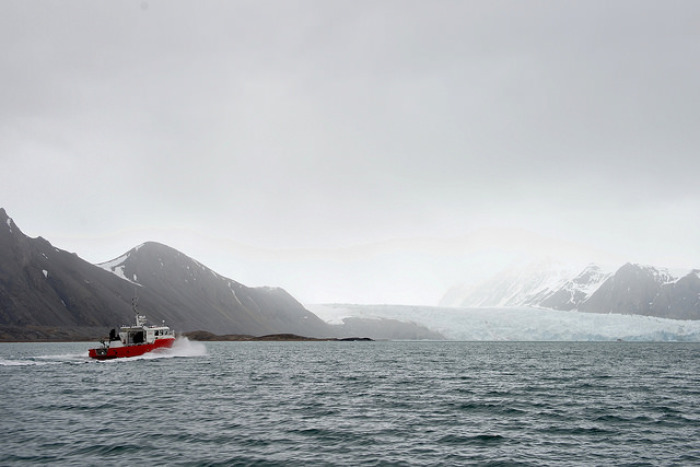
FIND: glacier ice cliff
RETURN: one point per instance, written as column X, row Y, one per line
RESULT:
column 522, row 324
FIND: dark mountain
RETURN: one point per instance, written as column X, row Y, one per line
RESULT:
column 679, row 299
column 44, row 287
column 645, row 290
column 48, row 293
column 195, row 297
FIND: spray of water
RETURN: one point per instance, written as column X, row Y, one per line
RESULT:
column 182, row 347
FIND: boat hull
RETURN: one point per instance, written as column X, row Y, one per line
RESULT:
column 102, row 353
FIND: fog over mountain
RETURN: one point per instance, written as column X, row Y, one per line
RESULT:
column 631, row 289
column 564, row 286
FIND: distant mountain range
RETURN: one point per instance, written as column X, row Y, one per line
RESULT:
column 48, row 293
column 631, row 289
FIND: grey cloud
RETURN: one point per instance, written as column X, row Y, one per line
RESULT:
column 334, row 123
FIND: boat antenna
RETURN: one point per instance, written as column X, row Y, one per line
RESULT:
column 135, row 304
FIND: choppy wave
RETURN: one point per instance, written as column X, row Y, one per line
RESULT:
column 356, row 403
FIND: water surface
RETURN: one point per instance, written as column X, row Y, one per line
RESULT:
column 354, row 403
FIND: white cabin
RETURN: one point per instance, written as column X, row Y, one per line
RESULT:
column 140, row 334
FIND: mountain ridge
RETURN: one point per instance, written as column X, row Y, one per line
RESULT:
column 630, row 289
column 49, row 293
column 41, row 285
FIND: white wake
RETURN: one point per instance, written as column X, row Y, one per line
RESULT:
column 182, row 348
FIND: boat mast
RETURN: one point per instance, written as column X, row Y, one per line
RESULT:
column 140, row 320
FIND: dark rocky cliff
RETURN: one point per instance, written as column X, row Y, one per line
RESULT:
column 45, row 287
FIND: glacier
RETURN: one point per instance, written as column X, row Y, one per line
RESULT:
column 520, row 323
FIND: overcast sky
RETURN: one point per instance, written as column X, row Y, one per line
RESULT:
column 354, row 151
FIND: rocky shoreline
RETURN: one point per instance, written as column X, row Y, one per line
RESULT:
column 88, row 334
column 208, row 336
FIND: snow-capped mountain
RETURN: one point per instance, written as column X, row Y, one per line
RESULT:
column 577, row 290
column 631, row 289
column 560, row 286
column 646, row 290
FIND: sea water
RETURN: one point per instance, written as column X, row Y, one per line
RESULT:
column 353, row 403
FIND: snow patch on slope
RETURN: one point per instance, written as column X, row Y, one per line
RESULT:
column 117, row 266
column 530, row 285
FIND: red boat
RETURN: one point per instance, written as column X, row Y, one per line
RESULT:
column 132, row 341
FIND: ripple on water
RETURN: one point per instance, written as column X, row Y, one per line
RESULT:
column 407, row 403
